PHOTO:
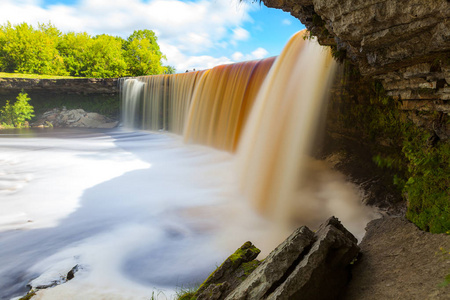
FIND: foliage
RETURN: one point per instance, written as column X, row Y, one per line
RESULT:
column 186, row 293
column 45, row 50
column 419, row 161
column 27, row 50
column 169, row 70
column 16, row 114
column 143, row 54
column 35, row 76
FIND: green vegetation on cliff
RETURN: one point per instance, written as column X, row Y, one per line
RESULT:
column 46, row 50
column 418, row 159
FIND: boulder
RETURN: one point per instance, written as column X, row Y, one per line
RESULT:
column 230, row 274
column 304, row 266
column 74, row 118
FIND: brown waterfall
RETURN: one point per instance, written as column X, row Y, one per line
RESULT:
column 272, row 155
column 208, row 107
column 268, row 110
column 222, row 101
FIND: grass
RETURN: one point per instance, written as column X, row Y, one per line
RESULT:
column 34, row 76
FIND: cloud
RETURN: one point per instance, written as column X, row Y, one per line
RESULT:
column 286, row 22
column 258, row 53
column 193, row 27
column 240, row 34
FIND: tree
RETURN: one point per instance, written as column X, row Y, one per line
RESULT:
column 143, row 55
column 169, row 70
column 73, row 47
column 28, row 50
column 104, row 58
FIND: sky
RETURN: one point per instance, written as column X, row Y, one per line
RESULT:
column 195, row 34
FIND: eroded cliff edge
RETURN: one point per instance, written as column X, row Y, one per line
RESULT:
column 389, row 116
column 405, row 43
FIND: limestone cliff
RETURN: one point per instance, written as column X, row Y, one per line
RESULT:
column 404, row 43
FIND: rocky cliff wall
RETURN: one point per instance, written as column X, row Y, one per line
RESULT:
column 91, row 94
column 404, row 43
column 81, row 86
column 388, row 127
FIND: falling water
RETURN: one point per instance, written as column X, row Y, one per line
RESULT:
column 142, row 196
column 131, row 91
column 274, row 149
column 278, row 103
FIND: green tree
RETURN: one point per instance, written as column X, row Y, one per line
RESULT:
column 143, row 55
column 104, row 58
column 17, row 113
column 169, row 70
column 24, row 49
column 73, row 47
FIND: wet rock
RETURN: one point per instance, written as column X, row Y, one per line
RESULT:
column 304, row 266
column 230, row 274
column 71, row 273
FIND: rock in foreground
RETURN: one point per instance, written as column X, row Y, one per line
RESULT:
column 306, row 265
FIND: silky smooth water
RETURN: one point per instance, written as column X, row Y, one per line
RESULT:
column 144, row 213
column 141, row 213
column 128, row 207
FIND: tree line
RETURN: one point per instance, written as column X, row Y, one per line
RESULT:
column 46, row 50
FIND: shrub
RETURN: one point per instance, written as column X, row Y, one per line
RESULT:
column 18, row 113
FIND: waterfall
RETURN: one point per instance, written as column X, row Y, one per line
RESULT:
column 131, row 95
column 266, row 111
column 274, row 149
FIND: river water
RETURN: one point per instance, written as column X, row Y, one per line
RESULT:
column 140, row 213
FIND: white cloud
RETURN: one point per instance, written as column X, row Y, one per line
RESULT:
column 240, row 34
column 194, row 27
column 286, row 22
column 183, row 62
column 258, row 53
column 237, row 56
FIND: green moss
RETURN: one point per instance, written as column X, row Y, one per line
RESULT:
column 28, row 296
column 249, row 267
column 240, row 253
column 418, row 160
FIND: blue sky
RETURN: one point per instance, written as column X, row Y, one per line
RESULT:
column 193, row 34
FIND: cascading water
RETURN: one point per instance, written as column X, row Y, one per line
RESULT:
column 278, row 103
column 120, row 204
column 131, row 91
column 274, row 150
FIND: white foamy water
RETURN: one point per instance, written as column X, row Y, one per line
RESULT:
column 140, row 213
column 120, row 205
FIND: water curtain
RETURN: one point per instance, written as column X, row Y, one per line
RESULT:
column 266, row 111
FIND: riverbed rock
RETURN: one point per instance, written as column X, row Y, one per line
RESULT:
column 74, row 118
column 304, row 266
column 230, row 274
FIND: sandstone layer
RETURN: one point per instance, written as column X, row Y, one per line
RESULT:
column 404, row 43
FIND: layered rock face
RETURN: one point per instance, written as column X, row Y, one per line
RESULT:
column 404, row 43
column 83, row 86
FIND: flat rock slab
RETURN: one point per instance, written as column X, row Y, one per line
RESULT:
column 399, row 261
